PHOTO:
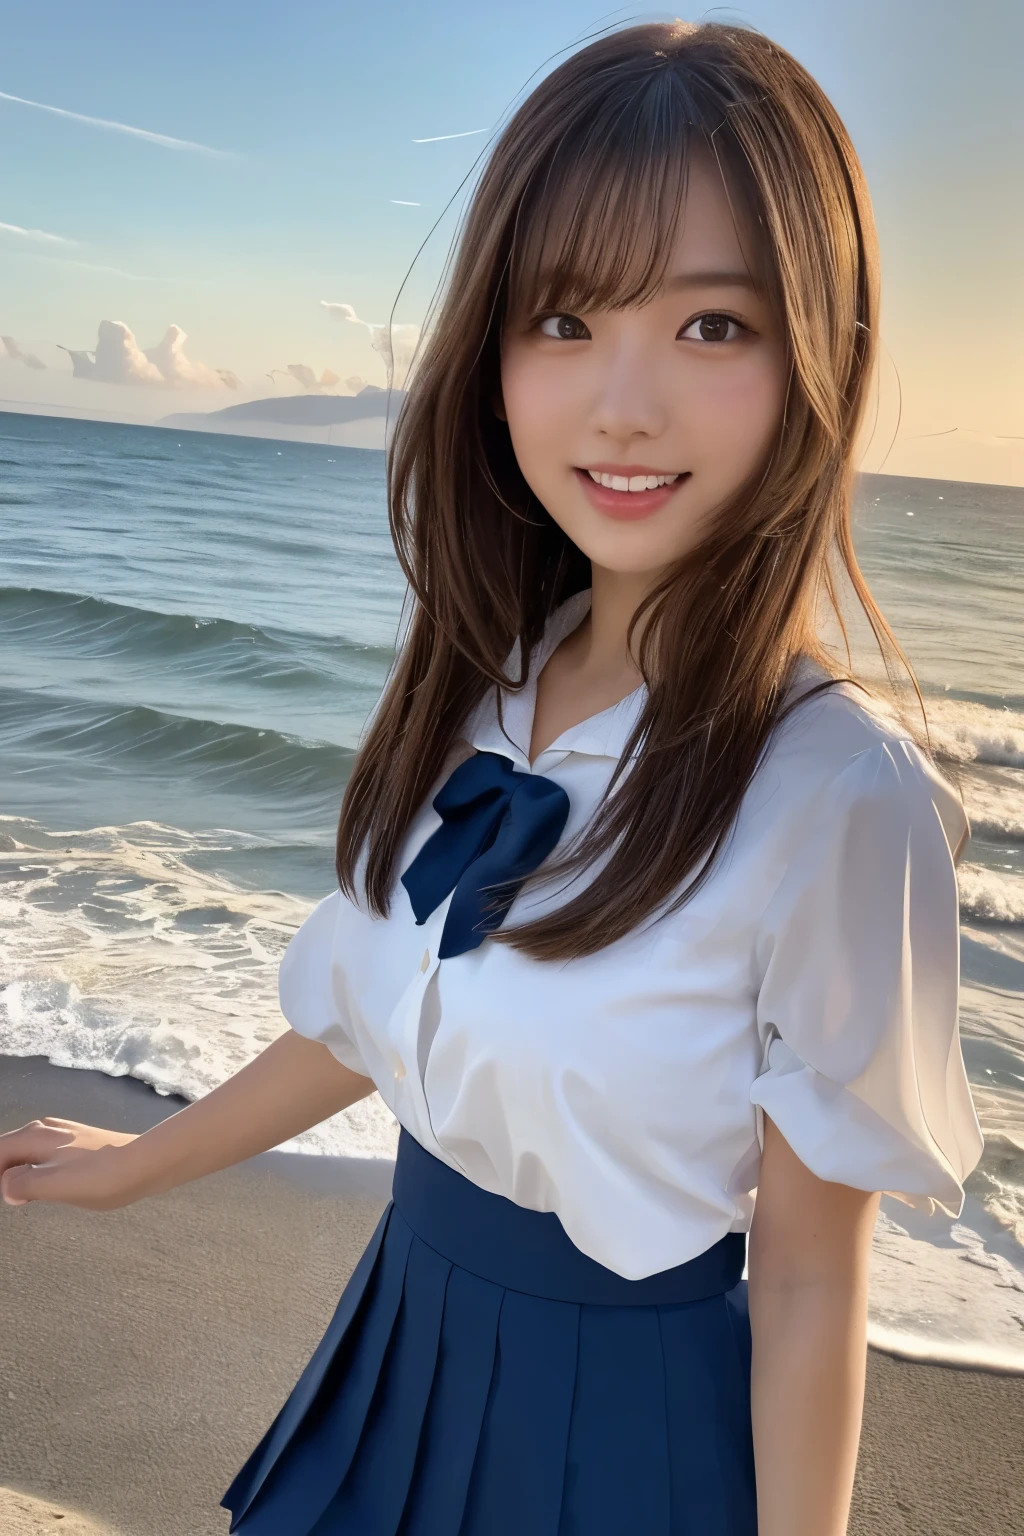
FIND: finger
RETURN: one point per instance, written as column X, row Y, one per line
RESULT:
column 12, row 1186
column 39, row 1181
column 84, row 1181
column 32, row 1143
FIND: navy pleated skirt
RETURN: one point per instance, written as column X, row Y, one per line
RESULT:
column 482, row 1377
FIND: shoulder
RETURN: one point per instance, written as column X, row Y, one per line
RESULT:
column 842, row 755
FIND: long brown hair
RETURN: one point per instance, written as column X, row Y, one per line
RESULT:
column 577, row 207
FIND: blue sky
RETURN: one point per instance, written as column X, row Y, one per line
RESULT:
column 316, row 107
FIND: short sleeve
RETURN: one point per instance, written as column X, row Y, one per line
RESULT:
column 310, row 985
column 858, row 957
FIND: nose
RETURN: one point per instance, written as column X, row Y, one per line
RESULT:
column 629, row 401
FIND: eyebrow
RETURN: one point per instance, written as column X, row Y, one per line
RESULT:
column 711, row 279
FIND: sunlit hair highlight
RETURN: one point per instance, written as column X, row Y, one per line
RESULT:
column 577, row 208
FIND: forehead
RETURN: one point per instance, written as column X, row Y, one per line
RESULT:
column 708, row 233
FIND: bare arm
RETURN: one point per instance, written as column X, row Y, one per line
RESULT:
column 810, row 1244
column 293, row 1084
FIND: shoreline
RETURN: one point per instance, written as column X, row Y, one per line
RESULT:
column 154, row 1344
column 112, row 1099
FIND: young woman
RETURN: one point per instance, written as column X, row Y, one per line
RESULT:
column 643, row 903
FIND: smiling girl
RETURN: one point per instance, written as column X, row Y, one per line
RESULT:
column 643, row 903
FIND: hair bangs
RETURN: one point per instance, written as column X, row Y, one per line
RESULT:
column 599, row 217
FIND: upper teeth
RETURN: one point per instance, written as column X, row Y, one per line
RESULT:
column 631, row 482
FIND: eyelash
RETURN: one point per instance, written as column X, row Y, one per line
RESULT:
column 706, row 314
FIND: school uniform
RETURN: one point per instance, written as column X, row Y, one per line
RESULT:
column 548, row 1334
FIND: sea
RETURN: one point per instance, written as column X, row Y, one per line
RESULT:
column 193, row 629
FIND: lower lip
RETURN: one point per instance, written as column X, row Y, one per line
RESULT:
column 628, row 505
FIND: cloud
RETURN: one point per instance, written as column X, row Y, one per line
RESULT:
column 90, row 266
column 396, row 344
column 468, row 134
column 14, row 351
column 341, row 311
column 118, row 359
column 168, row 356
column 35, row 234
column 402, row 203
column 306, row 377
column 163, row 139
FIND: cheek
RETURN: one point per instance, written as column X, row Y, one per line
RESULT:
column 536, row 409
column 741, row 407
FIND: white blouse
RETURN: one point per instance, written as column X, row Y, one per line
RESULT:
column 814, row 976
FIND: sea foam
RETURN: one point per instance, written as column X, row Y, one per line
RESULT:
column 120, row 956
column 996, row 808
column 123, row 957
column 975, row 733
column 989, row 895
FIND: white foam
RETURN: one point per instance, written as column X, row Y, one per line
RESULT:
column 120, row 957
column 1004, row 941
column 968, row 732
column 946, row 1291
column 970, row 1356
column 996, row 808
column 991, row 895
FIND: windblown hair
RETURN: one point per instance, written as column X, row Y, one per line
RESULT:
column 577, row 208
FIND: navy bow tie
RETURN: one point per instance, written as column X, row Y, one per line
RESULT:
column 497, row 824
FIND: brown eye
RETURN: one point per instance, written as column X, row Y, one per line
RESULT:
column 711, row 327
column 564, row 328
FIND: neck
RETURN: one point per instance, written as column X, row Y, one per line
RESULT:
column 615, row 597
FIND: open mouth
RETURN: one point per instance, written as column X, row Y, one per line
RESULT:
column 632, row 483
column 638, row 494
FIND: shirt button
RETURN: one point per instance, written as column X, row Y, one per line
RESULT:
column 399, row 1067
column 426, row 960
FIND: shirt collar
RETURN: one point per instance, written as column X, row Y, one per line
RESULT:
column 602, row 735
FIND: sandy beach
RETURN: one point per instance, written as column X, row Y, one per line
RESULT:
column 145, row 1351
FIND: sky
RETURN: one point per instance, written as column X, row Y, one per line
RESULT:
column 235, row 190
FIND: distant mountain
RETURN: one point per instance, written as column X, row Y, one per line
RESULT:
column 293, row 411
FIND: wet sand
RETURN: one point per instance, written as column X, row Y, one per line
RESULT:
column 144, row 1351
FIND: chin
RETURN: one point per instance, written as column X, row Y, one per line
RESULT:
column 629, row 549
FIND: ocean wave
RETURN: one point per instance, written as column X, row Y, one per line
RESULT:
column 136, row 737
column 996, row 810
column 923, row 1273
column 122, row 957
column 76, row 620
column 975, row 733
column 989, row 895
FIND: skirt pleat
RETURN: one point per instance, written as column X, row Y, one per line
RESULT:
column 372, row 1497
column 526, row 1421
column 617, row 1467
column 313, row 1440
column 451, row 1430
column 442, row 1403
column 707, row 1404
